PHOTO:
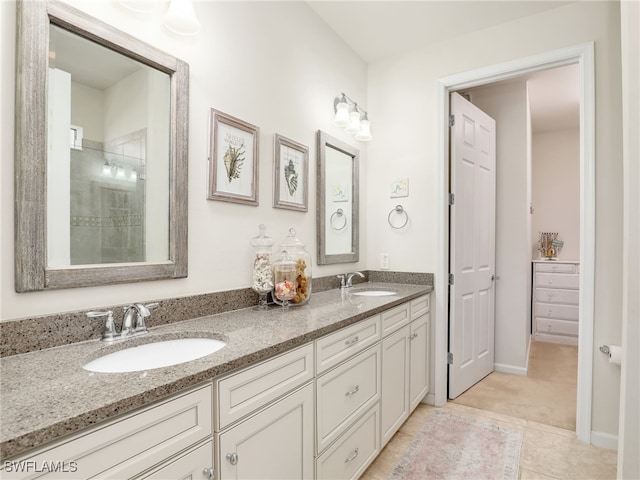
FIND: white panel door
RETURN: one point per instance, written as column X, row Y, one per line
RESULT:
column 472, row 248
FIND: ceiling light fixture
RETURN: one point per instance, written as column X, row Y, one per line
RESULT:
column 181, row 18
column 352, row 117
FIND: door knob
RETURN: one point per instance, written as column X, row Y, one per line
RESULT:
column 233, row 458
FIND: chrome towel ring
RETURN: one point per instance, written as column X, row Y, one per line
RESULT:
column 398, row 210
column 335, row 216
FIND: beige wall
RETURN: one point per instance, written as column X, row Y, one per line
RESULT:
column 556, row 190
column 629, row 442
column 403, row 99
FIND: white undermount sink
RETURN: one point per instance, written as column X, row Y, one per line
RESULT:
column 365, row 292
column 155, row 355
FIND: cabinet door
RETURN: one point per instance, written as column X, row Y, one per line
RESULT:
column 192, row 466
column 276, row 443
column 395, row 382
column 419, row 364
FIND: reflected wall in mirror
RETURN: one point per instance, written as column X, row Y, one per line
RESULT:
column 338, row 201
column 101, row 153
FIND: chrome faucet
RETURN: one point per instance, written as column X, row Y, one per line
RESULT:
column 133, row 323
column 350, row 278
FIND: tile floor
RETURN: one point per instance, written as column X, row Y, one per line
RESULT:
column 548, row 451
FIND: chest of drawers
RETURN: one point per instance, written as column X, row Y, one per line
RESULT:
column 556, row 310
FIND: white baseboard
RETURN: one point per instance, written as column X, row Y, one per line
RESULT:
column 604, row 440
column 430, row 399
column 499, row 367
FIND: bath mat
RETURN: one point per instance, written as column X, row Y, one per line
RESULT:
column 457, row 448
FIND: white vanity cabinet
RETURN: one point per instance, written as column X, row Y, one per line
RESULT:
column 265, row 419
column 131, row 445
column 405, row 365
column 556, row 310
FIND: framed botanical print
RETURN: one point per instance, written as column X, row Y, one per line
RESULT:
column 290, row 175
column 233, row 167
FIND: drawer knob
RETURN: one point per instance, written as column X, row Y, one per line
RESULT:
column 210, row 473
column 355, row 390
column 413, row 336
column 353, row 341
column 233, row 458
column 352, row 456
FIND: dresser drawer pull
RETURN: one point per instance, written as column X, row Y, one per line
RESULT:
column 233, row 458
column 352, row 457
column 353, row 392
column 353, row 341
column 413, row 336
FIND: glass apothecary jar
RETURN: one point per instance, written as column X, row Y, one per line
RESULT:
column 284, row 280
column 296, row 252
column 262, row 282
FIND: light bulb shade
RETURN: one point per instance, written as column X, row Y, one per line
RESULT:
column 181, row 19
column 354, row 124
column 120, row 172
column 342, row 115
column 364, row 135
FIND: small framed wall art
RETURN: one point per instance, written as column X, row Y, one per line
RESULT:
column 233, row 163
column 290, row 175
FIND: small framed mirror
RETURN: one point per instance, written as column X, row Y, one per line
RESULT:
column 338, row 201
column 101, row 153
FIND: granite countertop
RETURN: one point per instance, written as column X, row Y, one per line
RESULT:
column 47, row 394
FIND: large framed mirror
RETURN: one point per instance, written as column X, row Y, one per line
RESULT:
column 338, row 201
column 100, row 155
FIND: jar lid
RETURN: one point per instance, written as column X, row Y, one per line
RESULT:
column 291, row 240
column 262, row 240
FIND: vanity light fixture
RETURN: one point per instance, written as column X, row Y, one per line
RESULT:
column 352, row 117
column 181, row 18
column 106, row 169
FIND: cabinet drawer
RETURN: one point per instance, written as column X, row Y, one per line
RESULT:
column 420, row 306
column 132, row 444
column 556, row 267
column 557, row 280
column 344, row 393
column 556, row 295
column 564, row 312
column 395, row 318
column 190, row 465
column 349, row 457
column 338, row 346
column 559, row 327
column 244, row 392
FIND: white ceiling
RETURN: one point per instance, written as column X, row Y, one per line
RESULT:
column 379, row 29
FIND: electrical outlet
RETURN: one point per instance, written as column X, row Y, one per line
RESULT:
column 384, row 261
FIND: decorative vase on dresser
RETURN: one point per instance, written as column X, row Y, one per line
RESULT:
column 556, row 311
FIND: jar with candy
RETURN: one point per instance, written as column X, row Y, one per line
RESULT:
column 297, row 252
column 262, row 282
column 284, row 280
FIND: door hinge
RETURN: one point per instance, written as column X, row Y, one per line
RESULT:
column 450, row 358
column 451, row 279
column 452, row 120
column 452, row 198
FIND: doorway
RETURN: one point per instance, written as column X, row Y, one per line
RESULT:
column 583, row 55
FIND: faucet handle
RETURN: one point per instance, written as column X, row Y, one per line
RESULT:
column 151, row 306
column 341, row 277
column 109, row 327
column 143, row 312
